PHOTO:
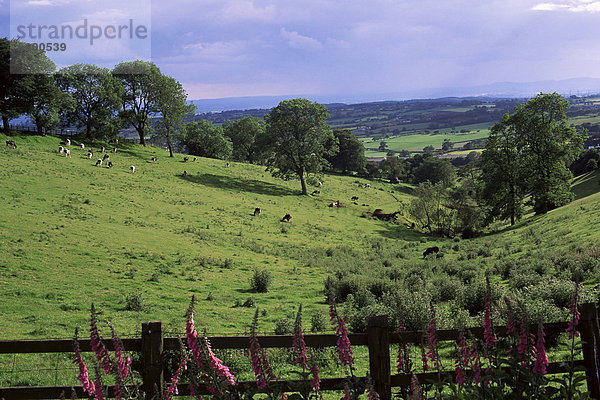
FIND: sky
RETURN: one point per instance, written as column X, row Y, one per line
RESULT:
column 232, row 48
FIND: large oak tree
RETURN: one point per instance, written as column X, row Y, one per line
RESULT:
column 301, row 139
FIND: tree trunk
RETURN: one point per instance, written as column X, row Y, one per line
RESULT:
column 88, row 130
column 5, row 125
column 170, row 145
column 140, row 131
column 303, row 182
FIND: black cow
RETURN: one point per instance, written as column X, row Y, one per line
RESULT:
column 431, row 250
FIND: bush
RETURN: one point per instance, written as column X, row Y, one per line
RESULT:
column 472, row 297
column 317, row 322
column 284, row 326
column 445, row 288
column 134, row 302
column 260, row 281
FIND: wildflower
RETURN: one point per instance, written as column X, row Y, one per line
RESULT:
column 122, row 365
column 315, row 383
column 415, row 390
column 343, row 343
column 260, row 365
column 403, row 362
column 83, row 377
column 462, row 359
column 371, row 393
column 424, row 358
column 298, row 341
column 217, row 365
column 172, row 387
column 98, row 385
column 489, row 336
column 541, row 359
column 346, row 393
column 192, row 335
column 523, row 342
column 574, row 313
column 98, row 347
column 432, row 341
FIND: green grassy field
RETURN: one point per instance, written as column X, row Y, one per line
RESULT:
column 73, row 234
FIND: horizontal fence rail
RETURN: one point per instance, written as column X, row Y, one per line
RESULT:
column 378, row 338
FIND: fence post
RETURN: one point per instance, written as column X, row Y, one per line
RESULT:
column 590, row 338
column 379, row 356
column 152, row 358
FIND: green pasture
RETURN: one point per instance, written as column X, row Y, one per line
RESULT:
column 418, row 141
column 72, row 234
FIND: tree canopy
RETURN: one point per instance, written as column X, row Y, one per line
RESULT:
column 249, row 139
column 300, row 139
column 142, row 82
column 97, row 95
column 351, row 152
column 171, row 103
column 532, row 150
column 206, row 140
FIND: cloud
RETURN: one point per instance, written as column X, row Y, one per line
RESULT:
column 298, row 41
column 219, row 51
column 589, row 6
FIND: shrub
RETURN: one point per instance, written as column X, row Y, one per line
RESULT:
column 472, row 297
column 445, row 288
column 284, row 326
column 134, row 302
column 317, row 322
column 260, row 281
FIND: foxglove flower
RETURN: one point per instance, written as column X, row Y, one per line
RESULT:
column 298, row 341
column 404, row 364
column 83, row 377
column 575, row 315
column 97, row 344
column 541, row 359
column 343, row 343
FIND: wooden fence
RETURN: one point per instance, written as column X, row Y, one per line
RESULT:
column 378, row 338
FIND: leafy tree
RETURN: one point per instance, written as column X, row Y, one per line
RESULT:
column 447, row 145
column 171, row 103
column 382, row 146
column 393, row 168
column 373, row 169
column 206, row 140
column 300, row 136
column 49, row 103
column 548, row 144
column 428, row 149
column 351, row 153
column 435, row 170
column 429, row 209
column 544, row 144
column 141, row 81
column 249, row 138
column 20, row 65
column 97, row 96
column 503, row 190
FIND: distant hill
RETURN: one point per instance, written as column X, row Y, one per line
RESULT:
column 574, row 86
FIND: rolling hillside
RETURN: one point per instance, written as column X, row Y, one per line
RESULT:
column 139, row 245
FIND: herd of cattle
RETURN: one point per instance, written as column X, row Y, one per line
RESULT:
column 378, row 213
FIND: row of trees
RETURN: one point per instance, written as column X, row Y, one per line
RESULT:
column 97, row 100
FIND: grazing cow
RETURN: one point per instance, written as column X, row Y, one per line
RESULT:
column 106, row 157
column 286, row 218
column 67, row 153
column 319, row 184
column 395, row 180
column 354, row 198
column 68, row 142
column 11, row 144
column 103, row 149
column 115, row 150
column 61, row 149
column 368, row 185
column 379, row 214
column 316, row 192
column 153, row 159
column 184, row 173
column 336, row 204
column 185, row 159
column 132, row 168
column 228, row 164
column 90, row 155
column 82, row 146
column 257, row 211
column 195, row 159
column 99, row 162
column 110, row 164
column 431, row 250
